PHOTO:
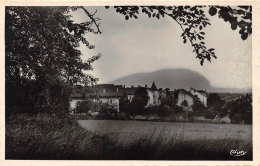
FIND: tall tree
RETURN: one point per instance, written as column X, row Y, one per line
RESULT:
column 42, row 49
column 170, row 100
column 215, row 103
column 241, row 108
column 139, row 100
column 192, row 20
column 124, row 104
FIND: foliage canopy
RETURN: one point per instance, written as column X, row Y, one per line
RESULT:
column 42, row 56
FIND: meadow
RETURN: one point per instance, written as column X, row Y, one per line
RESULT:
column 50, row 138
column 171, row 140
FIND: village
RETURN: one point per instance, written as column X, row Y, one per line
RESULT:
column 181, row 98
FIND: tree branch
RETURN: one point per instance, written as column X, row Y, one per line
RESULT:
column 175, row 19
column 92, row 18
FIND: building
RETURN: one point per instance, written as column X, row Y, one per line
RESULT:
column 109, row 93
column 129, row 92
column 102, row 92
column 74, row 98
column 154, row 95
column 201, row 94
column 185, row 95
column 162, row 94
column 112, row 93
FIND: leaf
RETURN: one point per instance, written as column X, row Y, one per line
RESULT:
column 241, row 31
column 158, row 16
column 242, row 24
column 244, row 36
column 208, row 58
column 233, row 26
column 203, row 33
column 226, row 17
column 212, row 11
column 200, row 27
column 244, row 7
column 212, row 49
column 184, row 41
column 201, row 62
column 193, row 8
column 241, row 12
column 247, row 16
column 126, row 17
column 249, row 30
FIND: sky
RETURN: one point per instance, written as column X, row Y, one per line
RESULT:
column 148, row 44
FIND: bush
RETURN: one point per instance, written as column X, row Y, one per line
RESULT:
column 82, row 107
column 184, row 103
column 198, row 108
column 109, row 111
column 161, row 111
column 209, row 115
column 223, row 122
column 177, row 109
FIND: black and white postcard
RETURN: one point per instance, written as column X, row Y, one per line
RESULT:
column 130, row 83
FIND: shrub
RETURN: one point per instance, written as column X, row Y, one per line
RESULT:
column 177, row 109
column 184, row 103
column 161, row 111
column 109, row 111
column 198, row 108
column 223, row 122
column 82, row 107
column 209, row 115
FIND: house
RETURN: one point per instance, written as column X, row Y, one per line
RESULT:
column 129, row 92
column 185, row 95
column 201, row 94
column 102, row 92
column 154, row 95
column 162, row 94
column 74, row 98
column 109, row 93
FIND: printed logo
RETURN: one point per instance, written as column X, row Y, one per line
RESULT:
column 237, row 153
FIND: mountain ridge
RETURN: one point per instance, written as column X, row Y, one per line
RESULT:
column 179, row 78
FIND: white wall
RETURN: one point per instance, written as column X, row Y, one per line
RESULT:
column 202, row 98
column 130, row 97
column 114, row 100
column 154, row 95
column 73, row 102
column 182, row 97
column 103, row 100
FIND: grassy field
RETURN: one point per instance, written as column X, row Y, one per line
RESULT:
column 176, row 140
column 51, row 138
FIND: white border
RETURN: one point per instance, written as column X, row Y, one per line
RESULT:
column 255, row 68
